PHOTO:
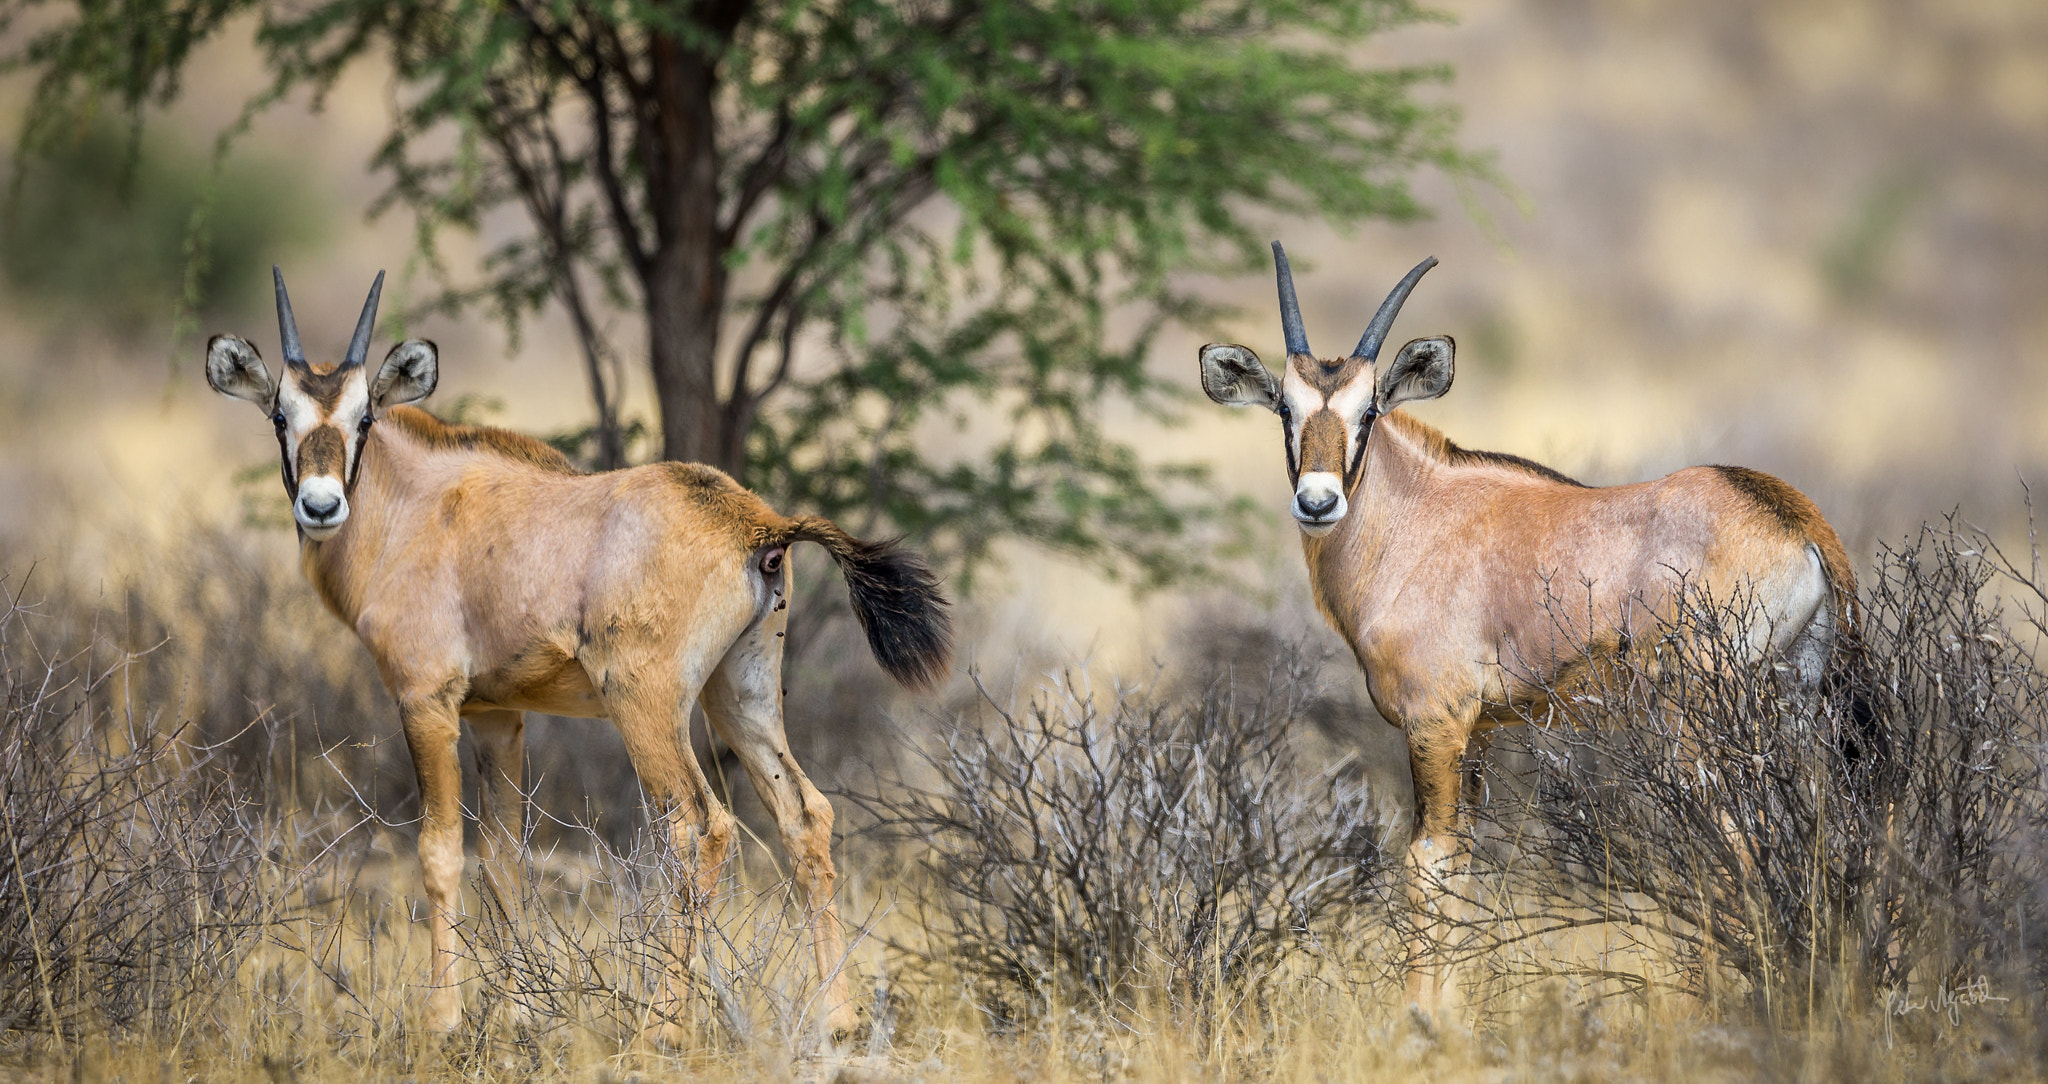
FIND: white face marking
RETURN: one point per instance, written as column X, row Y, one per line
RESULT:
column 321, row 506
column 348, row 416
column 301, row 414
column 1352, row 399
column 1319, row 500
column 1301, row 401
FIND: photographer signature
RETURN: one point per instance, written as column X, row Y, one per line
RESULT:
column 1948, row 1001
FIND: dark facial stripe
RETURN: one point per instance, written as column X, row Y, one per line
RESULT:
column 1358, row 450
column 284, row 453
column 1287, row 424
column 1322, row 442
column 323, row 451
column 355, row 464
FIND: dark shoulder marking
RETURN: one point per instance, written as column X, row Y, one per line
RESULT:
column 501, row 442
column 1789, row 506
column 1465, row 456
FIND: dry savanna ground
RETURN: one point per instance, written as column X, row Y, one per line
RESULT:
column 1686, row 873
column 1803, row 236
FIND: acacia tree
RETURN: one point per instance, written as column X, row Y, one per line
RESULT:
column 838, row 223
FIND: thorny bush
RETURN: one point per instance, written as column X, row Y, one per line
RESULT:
column 130, row 881
column 1879, row 835
column 1134, row 851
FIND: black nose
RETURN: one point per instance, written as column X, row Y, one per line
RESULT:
column 1316, row 507
column 320, row 507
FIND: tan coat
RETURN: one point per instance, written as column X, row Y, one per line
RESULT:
column 487, row 577
column 1471, row 585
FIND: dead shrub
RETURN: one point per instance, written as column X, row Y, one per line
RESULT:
column 1784, row 848
column 1133, row 851
column 132, row 871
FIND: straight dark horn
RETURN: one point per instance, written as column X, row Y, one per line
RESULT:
column 1383, row 320
column 1290, row 309
column 359, row 346
column 287, row 328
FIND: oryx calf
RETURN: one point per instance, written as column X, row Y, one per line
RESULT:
column 488, row 577
column 1467, row 584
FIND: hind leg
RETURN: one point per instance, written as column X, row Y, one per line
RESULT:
column 743, row 700
column 1809, row 654
column 650, row 705
column 500, row 738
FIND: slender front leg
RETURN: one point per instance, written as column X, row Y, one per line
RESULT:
column 500, row 738
column 1435, row 859
column 743, row 700
column 432, row 727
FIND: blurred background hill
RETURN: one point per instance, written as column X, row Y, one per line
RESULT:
column 1808, row 237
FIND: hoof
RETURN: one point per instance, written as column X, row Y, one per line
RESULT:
column 842, row 1023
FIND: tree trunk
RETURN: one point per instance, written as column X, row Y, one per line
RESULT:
column 684, row 283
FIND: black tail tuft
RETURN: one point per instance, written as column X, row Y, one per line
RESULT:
column 1866, row 743
column 897, row 599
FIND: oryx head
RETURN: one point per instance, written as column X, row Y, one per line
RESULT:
column 1327, row 408
column 322, row 413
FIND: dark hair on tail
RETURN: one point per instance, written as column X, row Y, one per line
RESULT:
column 895, row 596
column 1846, row 682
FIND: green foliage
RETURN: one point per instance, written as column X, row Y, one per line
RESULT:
column 932, row 216
column 96, row 227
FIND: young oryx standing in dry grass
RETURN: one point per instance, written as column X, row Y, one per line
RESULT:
column 488, row 577
column 1469, row 583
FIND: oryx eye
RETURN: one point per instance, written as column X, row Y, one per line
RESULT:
column 277, row 418
column 1285, row 414
column 364, row 425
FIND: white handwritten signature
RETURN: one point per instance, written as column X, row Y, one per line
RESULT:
column 1947, row 1000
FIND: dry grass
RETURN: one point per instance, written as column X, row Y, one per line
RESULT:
column 1132, row 883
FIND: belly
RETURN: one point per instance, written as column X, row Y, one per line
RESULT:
column 545, row 679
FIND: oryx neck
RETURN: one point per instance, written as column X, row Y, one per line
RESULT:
column 1394, row 476
column 1361, row 565
column 1399, row 459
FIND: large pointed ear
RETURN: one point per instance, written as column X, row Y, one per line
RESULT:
column 1422, row 370
column 1235, row 377
column 233, row 368
column 408, row 374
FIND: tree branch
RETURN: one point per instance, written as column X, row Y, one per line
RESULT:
column 548, row 209
column 759, row 178
column 604, row 157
